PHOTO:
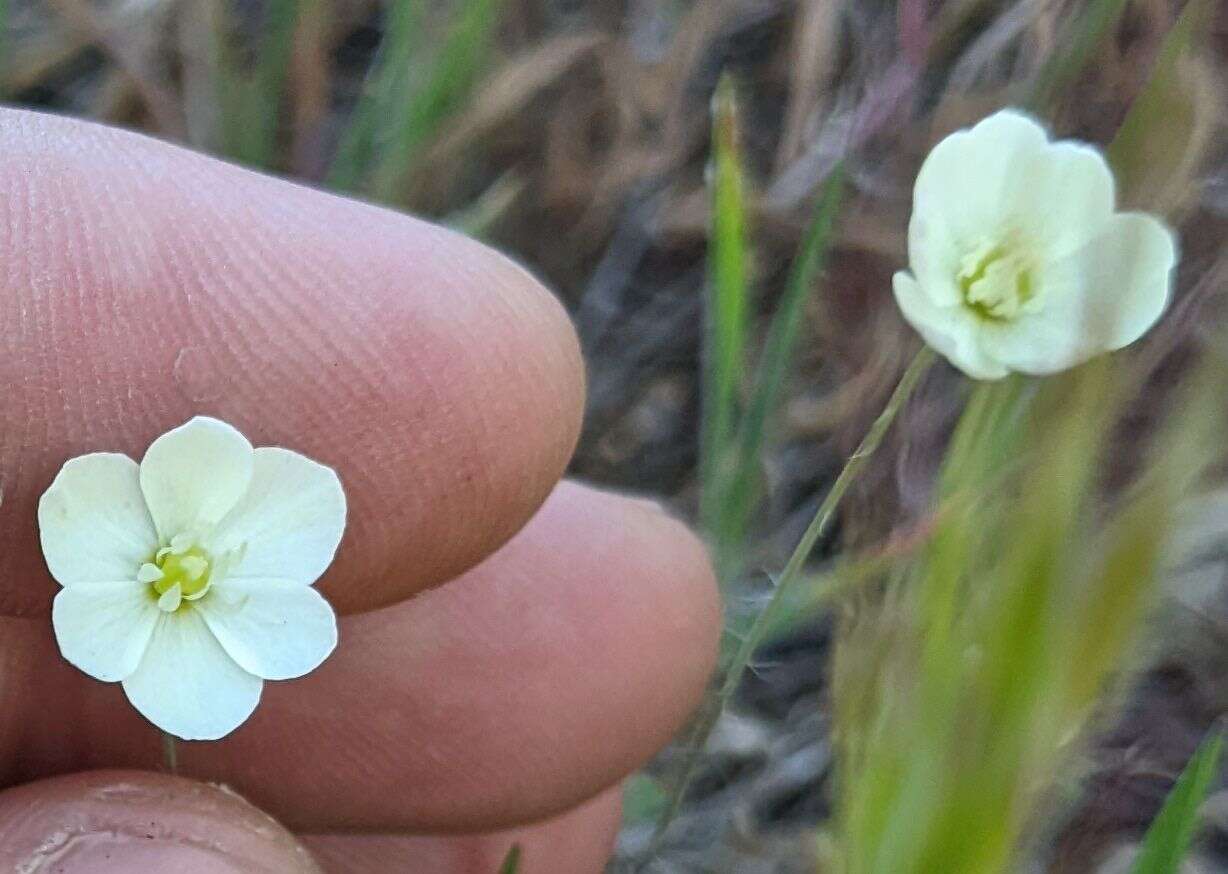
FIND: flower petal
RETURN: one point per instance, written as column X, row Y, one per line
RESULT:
column 935, row 257
column 289, row 522
column 275, row 629
column 93, row 523
column 950, row 330
column 1038, row 345
column 194, row 474
column 187, row 685
column 963, row 185
column 1114, row 288
column 104, row 628
column 1062, row 196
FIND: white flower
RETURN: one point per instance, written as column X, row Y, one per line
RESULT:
column 188, row 577
column 1019, row 262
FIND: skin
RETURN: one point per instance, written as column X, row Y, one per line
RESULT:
column 559, row 636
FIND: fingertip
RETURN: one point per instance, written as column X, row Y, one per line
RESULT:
column 579, row 841
column 685, row 612
column 538, row 679
column 149, row 284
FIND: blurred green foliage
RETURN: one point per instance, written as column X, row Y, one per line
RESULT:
column 412, row 89
column 962, row 694
column 250, row 96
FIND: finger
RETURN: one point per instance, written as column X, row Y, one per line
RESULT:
column 117, row 822
column 577, row 842
column 144, row 284
column 530, row 684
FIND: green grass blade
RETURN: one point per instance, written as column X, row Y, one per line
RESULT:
column 1168, row 839
column 385, row 96
column 229, row 83
column 251, row 100
column 742, row 495
column 511, row 862
column 725, row 318
column 1075, row 52
column 448, row 83
column 269, row 80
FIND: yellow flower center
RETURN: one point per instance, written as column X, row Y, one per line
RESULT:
column 995, row 282
column 189, row 571
column 177, row 574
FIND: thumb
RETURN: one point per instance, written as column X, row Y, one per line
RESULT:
column 116, row 822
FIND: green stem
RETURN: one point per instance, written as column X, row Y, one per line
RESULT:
column 826, row 512
column 797, row 561
column 170, row 753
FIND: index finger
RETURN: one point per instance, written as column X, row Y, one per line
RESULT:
column 145, row 284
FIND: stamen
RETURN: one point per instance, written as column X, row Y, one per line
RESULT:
column 149, row 573
column 179, row 572
column 171, row 599
column 194, row 566
column 996, row 283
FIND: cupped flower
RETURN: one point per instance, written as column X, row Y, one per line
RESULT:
column 188, row 577
column 1019, row 261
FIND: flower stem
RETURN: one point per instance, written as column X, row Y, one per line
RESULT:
column 824, row 515
column 170, row 753
column 710, row 713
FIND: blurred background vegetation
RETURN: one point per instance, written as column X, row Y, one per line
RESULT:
column 719, row 192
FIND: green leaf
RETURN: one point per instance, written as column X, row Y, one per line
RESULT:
column 1168, row 839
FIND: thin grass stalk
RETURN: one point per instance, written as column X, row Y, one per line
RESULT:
column 170, row 753
column 823, row 517
column 714, row 706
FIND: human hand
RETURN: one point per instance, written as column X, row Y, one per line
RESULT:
column 144, row 284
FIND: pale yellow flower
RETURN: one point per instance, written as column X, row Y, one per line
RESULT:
column 1018, row 259
column 188, row 577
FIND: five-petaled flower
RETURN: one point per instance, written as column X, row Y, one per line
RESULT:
column 1019, row 261
column 188, row 577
